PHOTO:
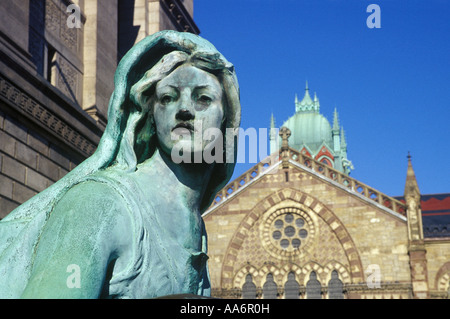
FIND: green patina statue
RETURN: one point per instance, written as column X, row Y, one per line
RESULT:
column 126, row 223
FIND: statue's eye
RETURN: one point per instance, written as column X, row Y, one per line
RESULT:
column 166, row 99
column 204, row 99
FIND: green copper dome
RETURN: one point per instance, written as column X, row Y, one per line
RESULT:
column 309, row 128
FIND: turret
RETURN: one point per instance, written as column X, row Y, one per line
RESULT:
column 412, row 198
column 316, row 103
column 416, row 248
column 335, row 132
column 307, row 104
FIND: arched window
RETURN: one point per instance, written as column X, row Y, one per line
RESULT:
column 335, row 287
column 313, row 287
column 291, row 287
column 326, row 161
column 249, row 288
column 270, row 288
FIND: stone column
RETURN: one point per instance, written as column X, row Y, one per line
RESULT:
column 100, row 56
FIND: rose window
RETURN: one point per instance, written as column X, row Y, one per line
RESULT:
column 289, row 231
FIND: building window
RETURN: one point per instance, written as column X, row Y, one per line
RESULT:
column 51, row 67
column 313, row 287
column 289, row 231
column 270, row 288
column 36, row 40
column 326, row 161
column 249, row 288
column 335, row 287
column 291, row 287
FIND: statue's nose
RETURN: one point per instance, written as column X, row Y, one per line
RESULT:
column 185, row 108
column 184, row 115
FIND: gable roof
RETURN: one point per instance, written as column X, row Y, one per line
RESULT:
column 296, row 159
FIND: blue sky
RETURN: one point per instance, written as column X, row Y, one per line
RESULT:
column 391, row 86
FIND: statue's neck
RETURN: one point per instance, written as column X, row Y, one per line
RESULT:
column 176, row 192
column 185, row 183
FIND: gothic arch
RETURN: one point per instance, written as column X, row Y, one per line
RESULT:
column 442, row 281
column 312, row 204
column 269, row 269
column 344, row 275
column 239, row 279
column 280, row 274
column 308, row 268
column 291, row 267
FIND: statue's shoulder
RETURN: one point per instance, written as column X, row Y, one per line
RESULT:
column 94, row 200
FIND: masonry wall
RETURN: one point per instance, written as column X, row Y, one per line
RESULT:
column 43, row 131
column 438, row 265
column 352, row 235
column 29, row 163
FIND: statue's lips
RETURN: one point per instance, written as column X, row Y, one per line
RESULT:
column 186, row 128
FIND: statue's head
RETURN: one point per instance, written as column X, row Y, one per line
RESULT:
column 187, row 105
column 171, row 90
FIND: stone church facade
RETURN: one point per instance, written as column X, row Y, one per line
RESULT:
column 56, row 78
column 297, row 227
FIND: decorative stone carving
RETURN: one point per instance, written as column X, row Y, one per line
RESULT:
column 56, row 24
column 60, row 127
column 67, row 78
column 52, row 17
column 69, row 36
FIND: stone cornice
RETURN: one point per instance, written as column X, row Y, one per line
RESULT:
column 33, row 110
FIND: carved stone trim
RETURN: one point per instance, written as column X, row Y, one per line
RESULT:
column 384, row 288
column 56, row 24
column 179, row 16
column 350, row 291
column 24, row 103
column 67, row 78
column 301, row 272
column 442, row 279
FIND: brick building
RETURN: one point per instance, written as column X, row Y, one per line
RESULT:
column 57, row 64
column 297, row 225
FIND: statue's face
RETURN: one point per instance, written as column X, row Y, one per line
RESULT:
column 187, row 108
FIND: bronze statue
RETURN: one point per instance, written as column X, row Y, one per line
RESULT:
column 127, row 221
